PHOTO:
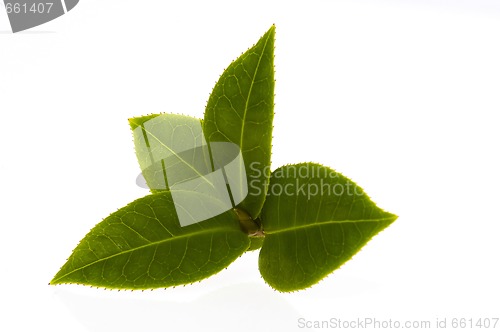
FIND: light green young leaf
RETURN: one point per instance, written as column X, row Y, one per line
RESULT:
column 240, row 111
column 315, row 219
column 170, row 148
column 174, row 155
column 143, row 246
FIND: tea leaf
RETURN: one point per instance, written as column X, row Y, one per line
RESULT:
column 315, row 219
column 240, row 111
column 170, row 148
column 143, row 246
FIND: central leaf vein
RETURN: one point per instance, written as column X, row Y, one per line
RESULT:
column 324, row 223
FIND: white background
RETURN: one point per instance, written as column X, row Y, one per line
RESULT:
column 401, row 96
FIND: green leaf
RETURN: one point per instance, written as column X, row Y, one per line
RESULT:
column 240, row 111
column 143, row 246
column 170, row 148
column 315, row 219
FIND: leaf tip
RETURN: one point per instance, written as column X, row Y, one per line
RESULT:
column 133, row 123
